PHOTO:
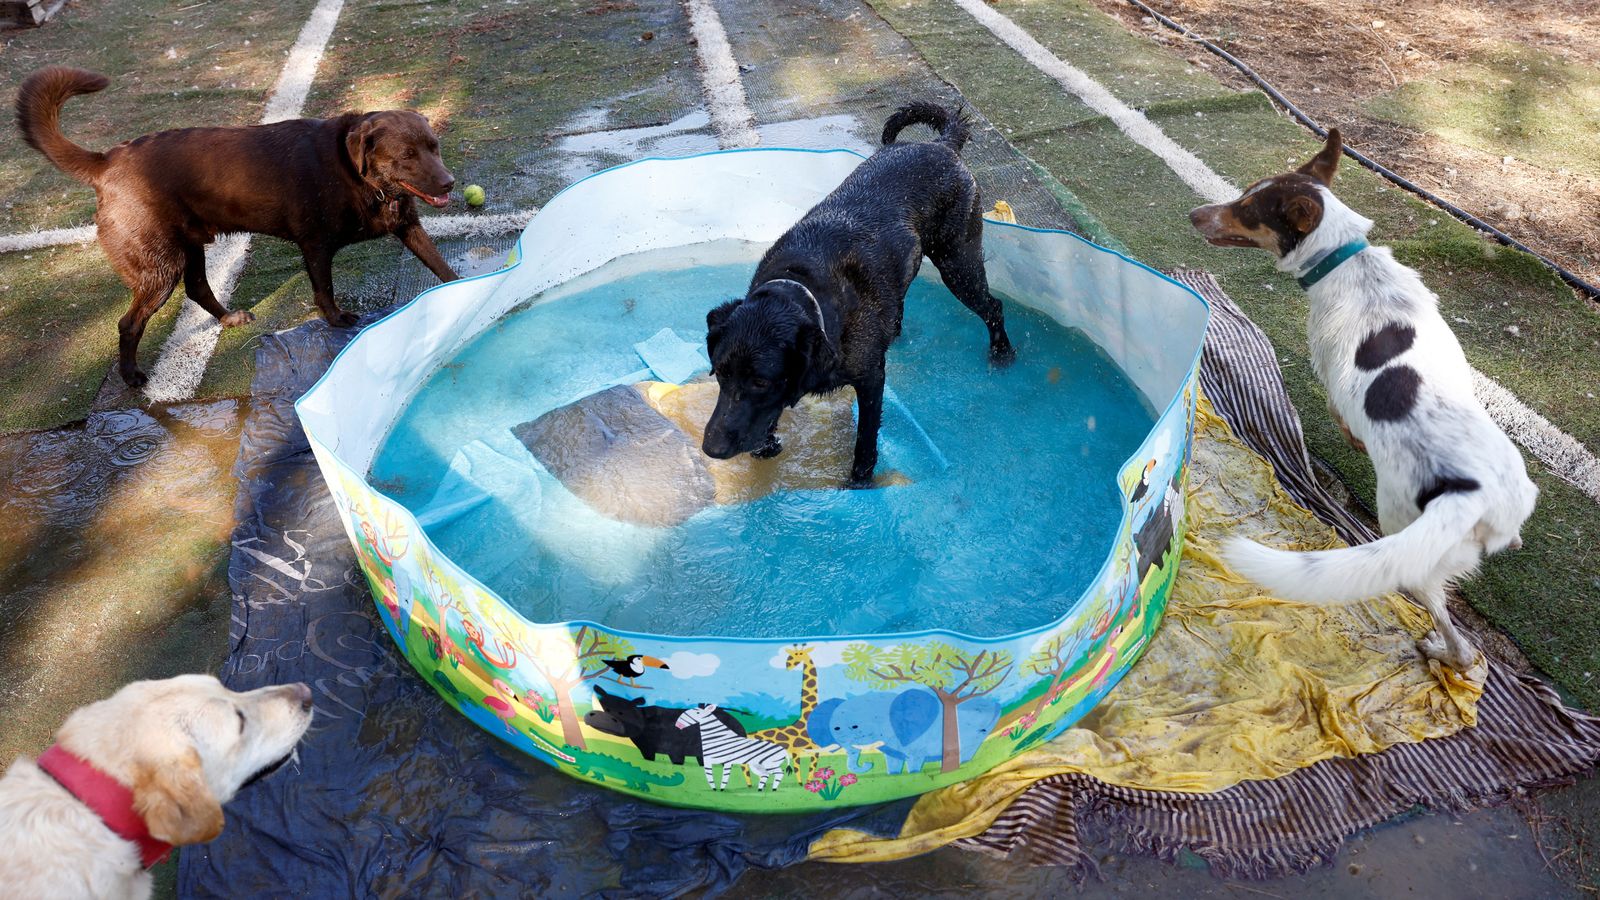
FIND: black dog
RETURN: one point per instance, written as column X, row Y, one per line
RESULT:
column 827, row 299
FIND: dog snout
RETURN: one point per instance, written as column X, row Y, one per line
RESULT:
column 717, row 446
column 1200, row 216
column 446, row 183
column 300, row 692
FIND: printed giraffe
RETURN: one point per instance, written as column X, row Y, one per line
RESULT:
column 793, row 735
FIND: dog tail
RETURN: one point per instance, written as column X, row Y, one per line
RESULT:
column 1410, row 558
column 953, row 127
column 39, row 116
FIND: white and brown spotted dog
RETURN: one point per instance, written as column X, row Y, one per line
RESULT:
column 1451, row 486
column 134, row 775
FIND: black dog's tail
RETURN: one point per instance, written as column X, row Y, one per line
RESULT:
column 953, row 127
column 39, row 117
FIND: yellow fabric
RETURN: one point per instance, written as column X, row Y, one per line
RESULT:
column 818, row 436
column 1235, row 686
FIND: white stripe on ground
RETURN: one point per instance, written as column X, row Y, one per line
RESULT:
column 1561, row 453
column 38, row 240
column 177, row 373
column 1194, row 172
column 439, row 226
column 719, row 74
column 479, row 225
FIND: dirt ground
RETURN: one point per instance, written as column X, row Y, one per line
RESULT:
column 1381, row 71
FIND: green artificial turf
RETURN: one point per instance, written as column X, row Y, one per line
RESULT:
column 1542, row 595
column 1509, row 100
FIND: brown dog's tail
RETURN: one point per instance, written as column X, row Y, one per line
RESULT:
column 953, row 127
column 39, row 116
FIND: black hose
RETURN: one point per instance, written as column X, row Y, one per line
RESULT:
column 1570, row 278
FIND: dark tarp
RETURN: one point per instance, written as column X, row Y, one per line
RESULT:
column 395, row 793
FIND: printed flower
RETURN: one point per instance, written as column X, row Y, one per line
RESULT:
column 813, row 786
column 847, row 779
column 823, row 774
column 1027, row 720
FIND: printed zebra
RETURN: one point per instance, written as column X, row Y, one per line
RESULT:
column 720, row 745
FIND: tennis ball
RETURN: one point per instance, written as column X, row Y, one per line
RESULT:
column 474, row 195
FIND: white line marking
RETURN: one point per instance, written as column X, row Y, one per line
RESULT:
column 38, row 240
column 1561, row 453
column 177, row 373
column 719, row 74
column 476, row 225
column 1194, row 172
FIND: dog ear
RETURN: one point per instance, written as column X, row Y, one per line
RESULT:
column 176, row 803
column 1325, row 164
column 718, row 317
column 1304, row 213
column 359, row 140
column 715, row 319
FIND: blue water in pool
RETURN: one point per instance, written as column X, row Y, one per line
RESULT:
column 1004, row 538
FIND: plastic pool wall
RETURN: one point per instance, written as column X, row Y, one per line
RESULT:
column 928, row 708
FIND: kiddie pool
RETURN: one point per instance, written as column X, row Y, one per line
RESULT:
column 923, row 708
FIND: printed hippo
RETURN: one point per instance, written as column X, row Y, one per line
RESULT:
column 653, row 729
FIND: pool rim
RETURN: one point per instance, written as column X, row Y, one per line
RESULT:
column 1084, row 596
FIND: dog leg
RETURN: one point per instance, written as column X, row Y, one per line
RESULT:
column 418, row 242
column 1445, row 643
column 148, row 297
column 199, row 290
column 963, row 273
column 319, row 266
column 869, row 398
column 1348, row 434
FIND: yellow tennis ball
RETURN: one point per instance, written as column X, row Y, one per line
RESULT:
column 474, row 195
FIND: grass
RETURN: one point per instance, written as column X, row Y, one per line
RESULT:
column 1539, row 595
column 1508, row 100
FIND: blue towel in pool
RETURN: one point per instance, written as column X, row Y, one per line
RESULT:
column 671, row 357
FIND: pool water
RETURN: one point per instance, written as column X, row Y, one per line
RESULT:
column 1003, row 535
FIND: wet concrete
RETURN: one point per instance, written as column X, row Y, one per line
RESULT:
column 113, row 541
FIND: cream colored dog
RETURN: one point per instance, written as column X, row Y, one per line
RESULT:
column 132, row 776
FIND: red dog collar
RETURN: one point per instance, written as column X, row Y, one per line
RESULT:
column 107, row 798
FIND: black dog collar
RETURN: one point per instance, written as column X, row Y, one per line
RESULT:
column 822, row 323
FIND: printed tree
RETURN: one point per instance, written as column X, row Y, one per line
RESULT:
column 954, row 675
column 1054, row 660
column 566, row 660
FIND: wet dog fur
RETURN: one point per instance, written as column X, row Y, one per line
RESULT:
column 322, row 184
column 828, row 297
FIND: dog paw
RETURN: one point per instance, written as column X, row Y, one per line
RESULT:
column 134, row 378
column 1002, row 355
column 236, row 318
column 858, row 483
column 343, row 319
column 1434, row 646
column 771, row 448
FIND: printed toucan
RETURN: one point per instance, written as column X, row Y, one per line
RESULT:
column 634, row 666
column 1143, row 486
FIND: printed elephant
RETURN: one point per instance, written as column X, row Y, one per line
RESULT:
column 908, row 723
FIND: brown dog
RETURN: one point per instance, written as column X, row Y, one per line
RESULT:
column 322, row 183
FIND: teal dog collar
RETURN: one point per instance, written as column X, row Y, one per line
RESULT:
column 1330, row 262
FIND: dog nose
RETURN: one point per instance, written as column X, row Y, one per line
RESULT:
column 448, row 184
column 1197, row 215
column 301, row 692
